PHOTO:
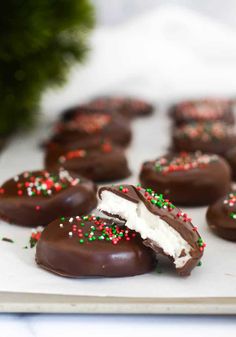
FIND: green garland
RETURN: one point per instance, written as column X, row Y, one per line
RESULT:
column 39, row 39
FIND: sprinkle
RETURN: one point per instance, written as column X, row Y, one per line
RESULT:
column 7, row 240
column 44, row 184
column 183, row 162
column 100, row 230
column 89, row 123
column 35, row 236
column 206, row 109
column 205, row 131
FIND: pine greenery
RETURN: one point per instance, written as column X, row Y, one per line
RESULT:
column 39, row 39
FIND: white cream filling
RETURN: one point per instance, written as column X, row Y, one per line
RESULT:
column 150, row 226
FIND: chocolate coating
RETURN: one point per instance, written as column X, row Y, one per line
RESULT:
column 126, row 106
column 85, row 124
column 208, row 137
column 36, row 198
column 221, row 217
column 115, row 251
column 230, row 156
column 188, row 179
column 172, row 215
column 203, row 110
column 103, row 163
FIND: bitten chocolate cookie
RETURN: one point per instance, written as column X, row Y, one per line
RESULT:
column 162, row 226
column 208, row 137
column 221, row 217
column 92, row 246
column 188, row 179
column 203, row 110
column 91, row 123
column 106, row 162
column 128, row 107
column 230, row 156
column 36, row 198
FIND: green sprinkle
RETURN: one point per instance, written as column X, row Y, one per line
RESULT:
column 82, row 224
column 81, row 241
column 158, row 270
column 199, row 264
column 7, row 240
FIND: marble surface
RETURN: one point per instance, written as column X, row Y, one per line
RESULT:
column 115, row 326
column 165, row 54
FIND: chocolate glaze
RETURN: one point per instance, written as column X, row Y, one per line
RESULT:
column 221, row 217
column 172, row 215
column 92, row 123
column 61, row 251
column 230, row 156
column 188, row 179
column 203, row 110
column 105, row 162
column 208, row 137
column 29, row 202
column 128, row 107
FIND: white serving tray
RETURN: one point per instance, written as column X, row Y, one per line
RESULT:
column 24, row 287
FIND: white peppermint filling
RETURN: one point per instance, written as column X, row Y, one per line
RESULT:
column 150, row 226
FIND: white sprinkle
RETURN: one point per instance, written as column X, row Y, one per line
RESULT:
column 61, row 225
column 71, row 219
column 70, row 233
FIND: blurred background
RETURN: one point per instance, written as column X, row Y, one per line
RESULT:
column 117, row 11
column 158, row 50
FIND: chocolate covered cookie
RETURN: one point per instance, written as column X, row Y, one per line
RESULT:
column 105, row 162
column 86, row 124
column 208, row 137
column 203, row 110
column 162, row 226
column 128, row 107
column 36, row 198
column 92, row 246
column 188, row 179
column 221, row 217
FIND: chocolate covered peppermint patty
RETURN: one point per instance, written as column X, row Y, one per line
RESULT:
column 105, row 162
column 126, row 106
column 221, row 217
column 203, row 110
column 92, row 246
column 35, row 198
column 188, row 179
column 209, row 137
column 86, row 124
column 163, row 227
